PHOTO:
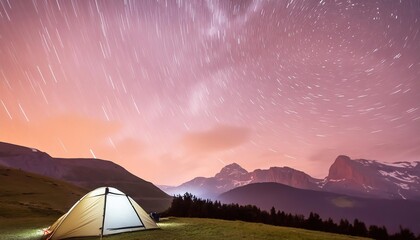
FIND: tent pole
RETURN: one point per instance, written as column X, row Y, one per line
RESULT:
column 103, row 219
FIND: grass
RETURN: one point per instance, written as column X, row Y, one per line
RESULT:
column 25, row 194
column 177, row 228
column 24, row 228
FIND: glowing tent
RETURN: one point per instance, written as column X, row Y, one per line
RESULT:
column 101, row 212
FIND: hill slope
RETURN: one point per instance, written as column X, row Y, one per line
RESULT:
column 25, row 194
column 87, row 173
column 390, row 213
column 200, row 229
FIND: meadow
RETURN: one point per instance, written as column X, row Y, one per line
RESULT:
column 176, row 228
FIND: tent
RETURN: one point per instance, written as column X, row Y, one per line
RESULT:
column 101, row 212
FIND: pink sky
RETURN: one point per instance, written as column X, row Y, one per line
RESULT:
column 173, row 91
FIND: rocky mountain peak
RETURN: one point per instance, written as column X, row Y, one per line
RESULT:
column 342, row 158
column 341, row 168
column 373, row 178
column 231, row 170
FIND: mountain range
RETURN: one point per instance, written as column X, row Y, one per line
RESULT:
column 86, row 173
column 360, row 177
column 376, row 193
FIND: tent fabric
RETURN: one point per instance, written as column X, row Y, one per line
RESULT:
column 103, row 211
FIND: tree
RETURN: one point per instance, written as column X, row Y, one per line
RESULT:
column 359, row 228
column 376, row 232
column 404, row 234
column 314, row 222
column 273, row 216
column 330, row 226
column 345, row 227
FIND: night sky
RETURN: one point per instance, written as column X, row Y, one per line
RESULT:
column 171, row 90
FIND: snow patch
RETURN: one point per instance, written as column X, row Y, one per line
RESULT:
column 402, row 164
column 367, row 187
column 401, row 195
column 240, row 183
column 366, row 162
column 235, row 172
column 399, row 176
column 403, row 186
column 413, row 176
column 336, row 180
column 322, row 183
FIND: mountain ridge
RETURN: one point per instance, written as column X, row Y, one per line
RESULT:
column 355, row 177
column 370, row 178
column 233, row 175
column 85, row 172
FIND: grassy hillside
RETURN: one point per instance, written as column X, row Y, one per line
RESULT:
column 86, row 173
column 183, row 228
column 25, row 194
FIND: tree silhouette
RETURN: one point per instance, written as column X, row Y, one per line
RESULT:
column 376, row 232
column 191, row 206
column 359, row 228
column 404, row 234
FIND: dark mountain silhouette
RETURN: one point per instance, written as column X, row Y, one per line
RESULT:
column 87, row 173
column 391, row 213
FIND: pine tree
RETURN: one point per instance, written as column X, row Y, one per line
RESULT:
column 376, row 232
column 404, row 234
column 359, row 228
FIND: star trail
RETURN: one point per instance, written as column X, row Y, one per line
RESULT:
column 171, row 90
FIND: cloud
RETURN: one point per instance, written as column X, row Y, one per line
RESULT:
column 219, row 138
